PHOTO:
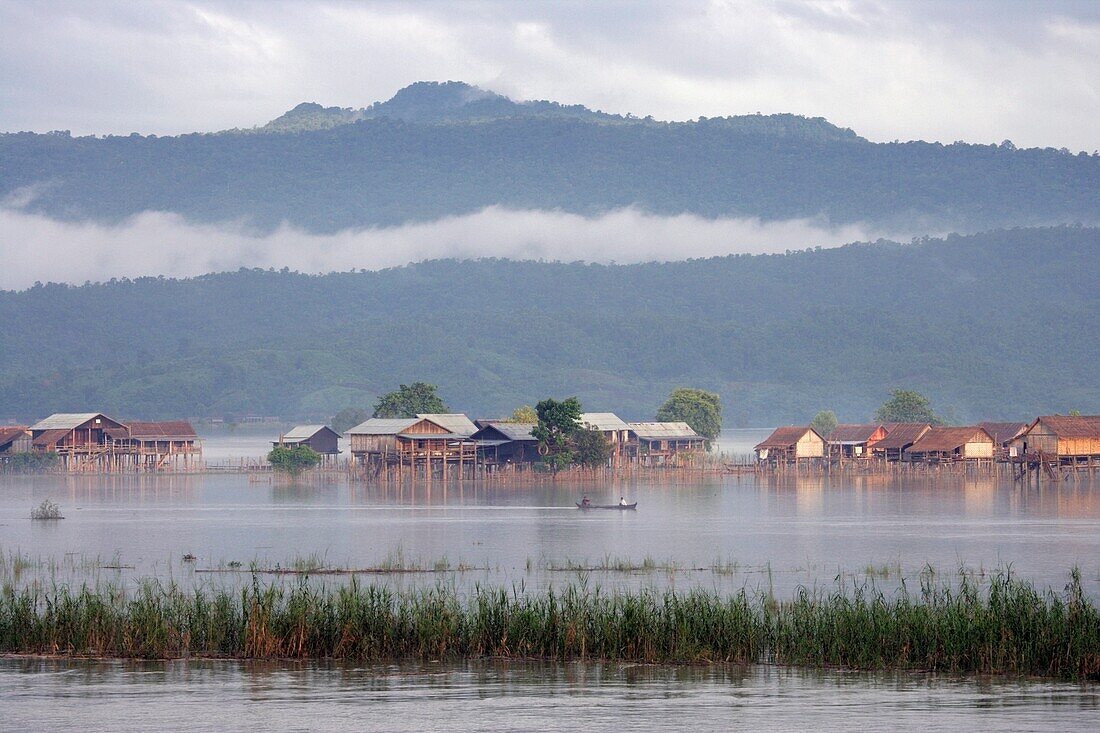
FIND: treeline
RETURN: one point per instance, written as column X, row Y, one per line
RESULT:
column 450, row 160
column 995, row 326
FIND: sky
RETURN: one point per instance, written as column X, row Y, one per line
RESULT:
column 946, row 71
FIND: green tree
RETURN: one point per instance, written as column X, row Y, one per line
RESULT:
column 348, row 418
column 591, row 448
column 293, row 460
column 557, row 422
column 525, row 414
column 824, row 423
column 906, row 405
column 410, row 400
column 700, row 409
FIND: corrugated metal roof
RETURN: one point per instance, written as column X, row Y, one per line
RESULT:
column 511, row 430
column 940, row 440
column 603, row 421
column 785, row 437
column 456, row 422
column 1073, row 426
column 663, row 430
column 383, row 426
column 303, row 432
column 901, row 434
column 65, row 420
column 853, row 433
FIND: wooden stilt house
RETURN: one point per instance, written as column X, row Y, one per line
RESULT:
column 1063, row 438
column 424, row 444
column 854, row 441
column 617, row 432
column 791, row 445
column 945, row 445
column 83, row 441
column 503, row 443
column 321, row 438
column 15, row 439
column 666, row 443
column 899, row 437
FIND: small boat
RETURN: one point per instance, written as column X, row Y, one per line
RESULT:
column 607, row 506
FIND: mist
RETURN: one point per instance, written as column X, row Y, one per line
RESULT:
column 38, row 248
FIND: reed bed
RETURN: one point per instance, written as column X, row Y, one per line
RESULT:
column 1005, row 626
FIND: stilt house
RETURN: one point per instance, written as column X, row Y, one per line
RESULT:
column 1072, row 438
column 666, row 442
column 502, row 443
column 941, row 445
column 320, row 438
column 617, row 432
column 854, row 441
column 791, row 444
column 15, row 439
column 899, row 437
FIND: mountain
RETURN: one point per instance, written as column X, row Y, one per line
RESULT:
column 997, row 325
column 431, row 102
column 437, row 150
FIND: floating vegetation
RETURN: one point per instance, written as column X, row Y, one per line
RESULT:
column 1005, row 626
column 46, row 510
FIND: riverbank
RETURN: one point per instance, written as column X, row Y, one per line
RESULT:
column 1005, row 626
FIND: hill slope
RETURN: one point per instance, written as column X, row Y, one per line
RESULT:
column 996, row 325
column 440, row 150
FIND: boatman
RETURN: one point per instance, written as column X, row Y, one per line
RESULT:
column 622, row 501
column 586, row 501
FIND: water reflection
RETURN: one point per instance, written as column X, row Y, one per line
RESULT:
column 502, row 695
column 776, row 531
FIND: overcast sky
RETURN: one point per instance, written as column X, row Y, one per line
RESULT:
column 982, row 72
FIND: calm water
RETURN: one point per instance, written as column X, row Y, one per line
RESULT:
column 226, row 696
column 723, row 533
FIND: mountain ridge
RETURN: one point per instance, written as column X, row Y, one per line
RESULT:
column 967, row 319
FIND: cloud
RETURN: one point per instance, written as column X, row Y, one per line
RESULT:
column 37, row 248
column 942, row 71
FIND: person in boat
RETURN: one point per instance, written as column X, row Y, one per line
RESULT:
column 622, row 501
column 586, row 501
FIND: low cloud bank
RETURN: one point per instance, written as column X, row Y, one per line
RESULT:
column 37, row 248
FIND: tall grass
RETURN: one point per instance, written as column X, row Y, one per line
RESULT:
column 1003, row 626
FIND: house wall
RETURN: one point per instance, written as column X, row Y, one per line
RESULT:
column 324, row 442
column 1079, row 447
column 373, row 443
column 978, row 449
column 809, row 446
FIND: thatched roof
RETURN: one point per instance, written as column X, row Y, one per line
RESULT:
column 1002, row 432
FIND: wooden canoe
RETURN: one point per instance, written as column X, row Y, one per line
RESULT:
column 608, row 506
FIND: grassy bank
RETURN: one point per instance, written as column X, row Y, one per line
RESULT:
column 1003, row 626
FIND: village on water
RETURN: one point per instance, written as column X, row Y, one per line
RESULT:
column 451, row 445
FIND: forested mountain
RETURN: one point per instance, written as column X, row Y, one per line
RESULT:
column 998, row 325
column 439, row 150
